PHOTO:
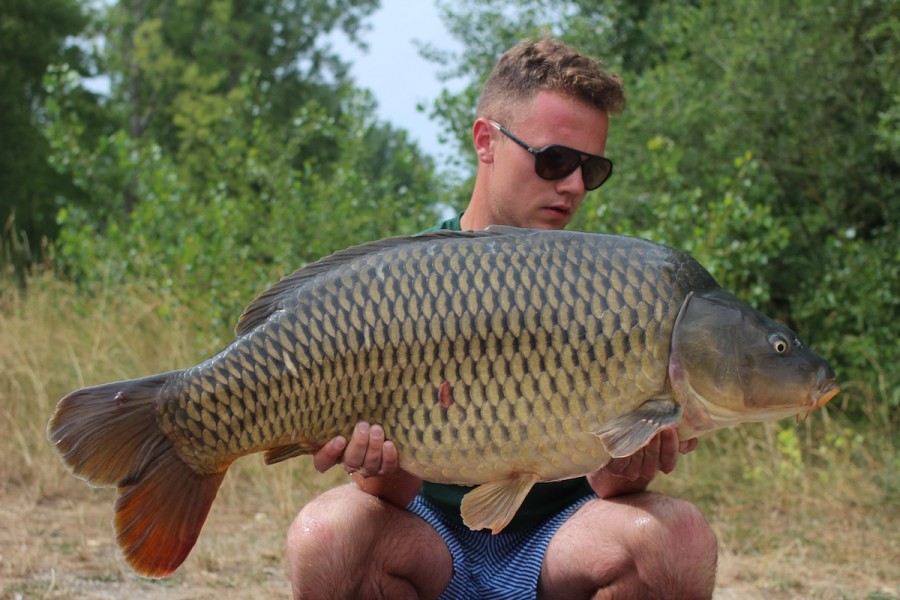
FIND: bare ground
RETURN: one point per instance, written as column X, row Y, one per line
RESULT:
column 58, row 543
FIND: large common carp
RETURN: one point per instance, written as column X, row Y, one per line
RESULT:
column 502, row 358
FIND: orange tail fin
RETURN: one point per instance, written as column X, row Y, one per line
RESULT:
column 108, row 436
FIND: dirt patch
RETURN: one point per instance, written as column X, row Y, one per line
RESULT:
column 61, row 545
column 64, row 547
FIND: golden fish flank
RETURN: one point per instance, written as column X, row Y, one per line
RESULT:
column 498, row 358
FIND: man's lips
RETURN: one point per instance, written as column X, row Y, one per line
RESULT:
column 561, row 209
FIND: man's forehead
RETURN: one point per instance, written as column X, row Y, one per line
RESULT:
column 551, row 118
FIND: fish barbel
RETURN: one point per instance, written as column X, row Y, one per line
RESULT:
column 497, row 358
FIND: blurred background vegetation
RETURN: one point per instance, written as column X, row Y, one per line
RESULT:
column 231, row 147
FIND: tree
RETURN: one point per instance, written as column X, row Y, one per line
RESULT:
column 34, row 35
column 227, row 168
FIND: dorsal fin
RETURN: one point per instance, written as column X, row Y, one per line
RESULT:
column 272, row 299
column 509, row 229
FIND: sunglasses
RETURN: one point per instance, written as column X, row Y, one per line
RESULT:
column 557, row 162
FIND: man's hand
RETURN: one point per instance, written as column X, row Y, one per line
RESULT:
column 368, row 453
column 372, row 462
column 632, row 474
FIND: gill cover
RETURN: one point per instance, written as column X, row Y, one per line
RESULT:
column 731, row 364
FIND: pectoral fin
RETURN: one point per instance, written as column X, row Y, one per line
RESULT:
column 628, row 433
column 492, row 505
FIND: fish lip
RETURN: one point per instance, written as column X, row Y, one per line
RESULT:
column 819, row 397
column 823, row 394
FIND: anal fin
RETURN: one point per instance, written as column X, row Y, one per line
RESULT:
column 628, row 433
column 492, row 505
column 282, row 453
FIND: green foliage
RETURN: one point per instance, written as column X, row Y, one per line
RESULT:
column 736, row 239
column 854, row 301
column 235, row 150
column 15, row 254
column 32, row 36
column 225, row 219
column 175, row 62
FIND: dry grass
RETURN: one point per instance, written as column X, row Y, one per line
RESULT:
column 817, row 524
column 809, row 512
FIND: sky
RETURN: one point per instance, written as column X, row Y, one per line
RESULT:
column 394, row 27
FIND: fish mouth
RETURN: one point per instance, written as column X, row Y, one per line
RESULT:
column 819, row 397
column 824, row 394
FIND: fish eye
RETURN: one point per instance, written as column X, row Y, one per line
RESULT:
column 779, row 343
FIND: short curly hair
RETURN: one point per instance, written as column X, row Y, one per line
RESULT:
column 547, row 65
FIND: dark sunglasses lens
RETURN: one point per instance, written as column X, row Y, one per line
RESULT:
column 595, row 171
column 556, row 162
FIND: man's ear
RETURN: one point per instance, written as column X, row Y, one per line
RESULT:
column 482, row 139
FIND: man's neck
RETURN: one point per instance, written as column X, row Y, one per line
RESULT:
column 465, row 221
column 475, row 216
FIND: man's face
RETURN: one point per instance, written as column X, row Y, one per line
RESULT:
column 516, row 194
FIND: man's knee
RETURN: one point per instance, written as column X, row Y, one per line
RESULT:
column 318, row 551
column 643, row 545
column 679, row 548
column 347, row 543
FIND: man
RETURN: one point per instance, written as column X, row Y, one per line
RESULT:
column 540, row 135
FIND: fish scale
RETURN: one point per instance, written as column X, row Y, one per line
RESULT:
column 497, row 358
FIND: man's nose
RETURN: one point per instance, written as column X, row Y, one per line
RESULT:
column 573, row 183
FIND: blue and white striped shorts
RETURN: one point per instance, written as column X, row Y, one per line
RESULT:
column 505, row 566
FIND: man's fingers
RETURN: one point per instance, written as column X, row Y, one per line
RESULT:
column 628, row 467
column 650, row 458
column 668, row 450
column 329, row 454
column 688, row 445
column 355, row 453
column 372, row 460
column 660, row 454
column 390, row 460
column 367, row 452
